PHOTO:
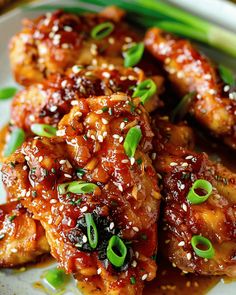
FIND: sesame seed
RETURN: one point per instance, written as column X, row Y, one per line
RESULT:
column 120, row 187
column 132, row 160
column 134, row 263
column 144, row 277
column 121, row 139
column 212, row 91
column 100, row 138
column 93, row 137
column 136, row 254
column 84, row 239
column 122, row 125
column 226, row 88
column 172, row 164
column 62, row 162
column 14, row 250
column 65, row 45
column 53, row 108
column 232, row 95
column 154, row 156
column 74, row 102
column 27, row 158
column 55, row 28
column 116, row 136
column 79, row 114
column 25, row 167
column 184, row 164
column 99, row 112
column 67, row 175
column 67, row 29
column 28, row 194
column 135, row 228
column 182, row 186
column 189, row 157
column 99, row 271
column 61, row 132
column 40, row 159
column 189, row 256
column 185, row 208
column 63, row 83
column 104, row 134
column 125, row 161
column 112, row 225
column 76, row 69
column 50, row 220
column 111, row 40
column 53, row 201
column 104, row 121
column 84, row 209
column 181, row 244
column 106, row 74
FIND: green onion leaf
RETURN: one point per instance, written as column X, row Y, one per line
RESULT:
column 227, row 75
column 17, row 137
column 44, row 130
column 7, row 92
column 77, row 187
column 197, row 241
column 63, row 188
column 92, row 232
column 116, row 251
column 145, row 90
column 101, row 31
column 133, row 55
column 182, row 108
column 203, row 186
column 56, row 278
column 132, row 280
column 132, row 140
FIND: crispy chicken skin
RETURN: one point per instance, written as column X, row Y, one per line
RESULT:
column 22, row 239
column 55, row 41
column 190, row 71
column 215, row 219
column 48, row 101
column 127, row 193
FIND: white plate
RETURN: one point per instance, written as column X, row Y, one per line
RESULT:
column 21, row 283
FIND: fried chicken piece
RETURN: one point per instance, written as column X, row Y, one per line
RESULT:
column 56, row 41
column 190, row 71
column 49, row 101
column 179, row 167
column 125, row 201
column 22, row 239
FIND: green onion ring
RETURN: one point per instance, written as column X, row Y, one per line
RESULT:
column 43, row 130
column 227, row 75
column 115, row 243
column 132, row 140
column 145, row 90
column 208, row 253
column 92, row 238
column 56, row 278
column 17, row 137
column 77, row 187
column 7, row 92
column 133, row 55
column 195, row 198
column 101, row 31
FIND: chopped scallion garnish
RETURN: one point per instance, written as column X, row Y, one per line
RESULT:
column 92, row 232
column 199, row 192
column 133, row 55
column 102, row 30
column 132, row 140
column 56, row 278
column 145, row 90
column 206, row 250
column 182, row 108
column 77, row 187
column 17, row 137
column 43, row 130
column 7, row 92
column 227, row 75
column 132, row 280
column 116, row 251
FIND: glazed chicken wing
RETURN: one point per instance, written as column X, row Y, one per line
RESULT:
column 214, row 106
column 215, row 219
column 22, row 239
column 48, row 101
column 56, row 41
column 124, row 201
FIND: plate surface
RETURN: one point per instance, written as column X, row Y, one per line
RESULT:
column 21, row 283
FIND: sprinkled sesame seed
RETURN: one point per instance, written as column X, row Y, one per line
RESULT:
column 25, row 167
column 181, row 244
column 189, row 157
column 53, row 201
column 14, row 250
column 84, row 239
column 78, row 114
column 212, row 91
column 65, row 45
column 93, row 137
column 125, row 161
column 182, row 186
column 99, row 271
column 84, row 209
column 184, row 164
column 61, row 132
column 62, row 162
column 232, row 95
column 154, row 155
column 100, row 138
column 144, row 277
column 111, row 40
column 63, row 83
column 99, row 112
column 53, row 108
column 74, row 102
column 121, row 139
column 136, row 254
column 104, row 121
column 134, row 263
column 112, row 225
column 189, row 256
column 135, row 228
column 104, row 134
column 67, row 29
column 27, row 158
column 76, row 69
column 173, row 164
column 28, row 194
column 132, row 160
column 55, row 28
column 185, row 208
column 67, row 175
column 226, row 88
column 116, row 136
column 122, row 125
column 50, row 220
column 106, row 75
column 120, row 187
column 40, row 159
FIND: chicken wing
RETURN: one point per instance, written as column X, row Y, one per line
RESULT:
column 214, row 106
column 48, row 101
column 179, row 167
column 125, row 201
column 55, row 41
column 22, row 239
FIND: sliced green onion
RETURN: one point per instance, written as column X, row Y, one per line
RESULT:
column 63, row 188
column 43, row 130
column 203, row 185
column 133, row 55
column 227, row 75
column 132, row 280
column 116, row 251
column 7, row 92
column 145, row 90
column 17, row 137
column 208, row 253
column 182, row 108
column 101, row 31
column 56, row 278
column 92, row 232
column 132, row 140
column 81, row 187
